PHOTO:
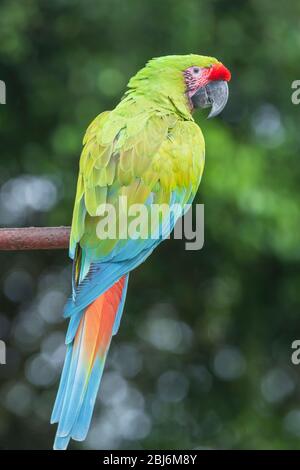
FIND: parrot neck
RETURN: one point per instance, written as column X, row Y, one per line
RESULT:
column 168, row 95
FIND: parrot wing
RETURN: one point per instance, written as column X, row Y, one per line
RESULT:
column 149, row 159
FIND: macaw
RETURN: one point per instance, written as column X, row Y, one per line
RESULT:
column 150, row 150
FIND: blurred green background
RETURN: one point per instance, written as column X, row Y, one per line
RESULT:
column 203, row 357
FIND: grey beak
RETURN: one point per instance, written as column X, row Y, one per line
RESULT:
column 214, row 94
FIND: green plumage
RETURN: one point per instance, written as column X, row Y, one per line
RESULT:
column 149, row 144
column 146, row 156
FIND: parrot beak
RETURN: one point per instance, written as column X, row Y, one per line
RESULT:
column 214, row 94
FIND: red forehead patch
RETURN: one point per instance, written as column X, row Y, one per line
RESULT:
column 219, row 72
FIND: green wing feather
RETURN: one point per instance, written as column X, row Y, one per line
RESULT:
column 135, row 153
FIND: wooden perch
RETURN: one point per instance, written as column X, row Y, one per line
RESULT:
column 34, row 238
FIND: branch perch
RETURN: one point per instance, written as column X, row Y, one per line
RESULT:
column 34, row 238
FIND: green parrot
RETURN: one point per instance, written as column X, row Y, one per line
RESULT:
column 149, row 151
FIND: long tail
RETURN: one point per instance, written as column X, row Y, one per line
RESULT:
column 84, row 364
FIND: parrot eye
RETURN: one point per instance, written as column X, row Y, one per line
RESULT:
column 196, row 70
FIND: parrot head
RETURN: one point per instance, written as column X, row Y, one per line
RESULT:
column 186, row 82
column 207, row 87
